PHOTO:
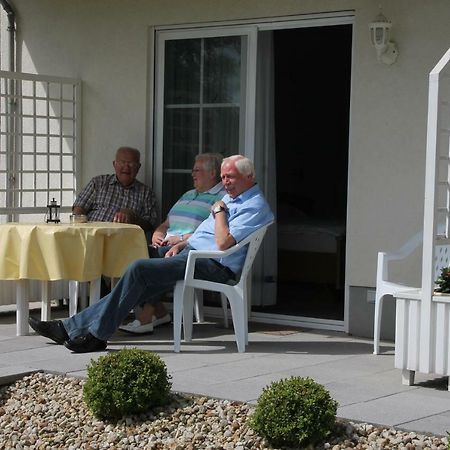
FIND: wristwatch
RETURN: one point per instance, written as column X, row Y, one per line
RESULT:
column 218, row 209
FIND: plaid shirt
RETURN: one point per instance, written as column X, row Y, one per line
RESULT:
column 104, row 196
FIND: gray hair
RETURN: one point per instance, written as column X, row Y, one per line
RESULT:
column 210, row 161
column 243, row 165
column 135, row 152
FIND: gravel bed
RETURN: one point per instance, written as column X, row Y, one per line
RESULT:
column 46, row 412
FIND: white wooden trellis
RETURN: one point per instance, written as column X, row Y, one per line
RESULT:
column 422, row 341
column 40, row 141
column 40, row 123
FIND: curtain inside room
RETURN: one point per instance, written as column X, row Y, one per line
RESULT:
column 265, row 269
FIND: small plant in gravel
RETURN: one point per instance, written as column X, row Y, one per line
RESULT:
column 294, row 412
column 126, row 382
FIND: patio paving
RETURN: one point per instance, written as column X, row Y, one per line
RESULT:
column 367, row 387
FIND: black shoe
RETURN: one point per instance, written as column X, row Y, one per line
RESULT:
column 54, row 329
column 85, row 344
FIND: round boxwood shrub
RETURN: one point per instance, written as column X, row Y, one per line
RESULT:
column 129, row 381
column 294, row 412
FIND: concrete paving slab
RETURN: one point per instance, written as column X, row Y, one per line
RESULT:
column 238, row 370
column 349, row 393
column 8, row 345
column 437, row 424
column 36, row 354
column 63, row 366
column 399, row 409
column 9, row 374
column 246, row 390
column 78, row 374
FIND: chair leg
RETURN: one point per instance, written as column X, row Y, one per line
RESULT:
column 239, row 316
column 198, row 306
column 83, row 288
column 246, row 314
column 23, row 307
column 177, row 313
column 377, row 323
column 224, row 301
column 73, row 297
column 94, row 290
column 188, row 312
column 114, row 281
column 183, row 303
column 45, row 301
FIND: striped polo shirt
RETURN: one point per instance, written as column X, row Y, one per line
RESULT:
column 191, row 209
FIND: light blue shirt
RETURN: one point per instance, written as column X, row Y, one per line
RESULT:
column 246, row 213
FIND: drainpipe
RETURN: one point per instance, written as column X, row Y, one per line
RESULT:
column 12, row 31
column 11, row 104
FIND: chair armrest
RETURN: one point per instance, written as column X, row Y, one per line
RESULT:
column 196, row 254
column 394, row 256
column 199, row 254
column 384, row 258
column 405, row 250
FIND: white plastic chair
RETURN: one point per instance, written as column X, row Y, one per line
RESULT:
column 386, row 288
column 236, row 292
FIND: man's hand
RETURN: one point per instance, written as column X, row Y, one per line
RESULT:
column 158, row 238
column 172, row 240
column 78, row 211
column 175, row 249
column 125, row 215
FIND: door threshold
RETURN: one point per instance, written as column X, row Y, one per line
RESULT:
column 280, row 319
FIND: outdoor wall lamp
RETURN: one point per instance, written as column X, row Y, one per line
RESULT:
column 380, row 30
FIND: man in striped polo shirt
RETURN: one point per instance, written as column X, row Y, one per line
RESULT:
column 191, row 209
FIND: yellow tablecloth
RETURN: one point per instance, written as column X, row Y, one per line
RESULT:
column 81, row 252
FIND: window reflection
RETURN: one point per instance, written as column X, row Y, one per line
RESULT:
column 202, row 106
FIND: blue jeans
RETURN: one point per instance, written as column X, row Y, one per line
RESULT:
column 144, row 281
column 158, row 252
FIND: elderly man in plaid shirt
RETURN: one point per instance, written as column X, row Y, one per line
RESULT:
column 119, row 197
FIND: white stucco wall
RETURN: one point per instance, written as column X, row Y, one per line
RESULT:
column 105, row 43
column 388, row 134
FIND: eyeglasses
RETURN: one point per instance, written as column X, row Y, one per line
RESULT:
column 130, row 164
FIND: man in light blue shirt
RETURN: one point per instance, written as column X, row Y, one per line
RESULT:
column 242, row 211
column 243, row 215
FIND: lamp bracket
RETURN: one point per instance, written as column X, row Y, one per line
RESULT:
column 390, row 54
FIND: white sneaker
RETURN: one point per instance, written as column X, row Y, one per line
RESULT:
column 135, row 327
column 162, row 320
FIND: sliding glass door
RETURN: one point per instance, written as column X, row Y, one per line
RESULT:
column 239, row 89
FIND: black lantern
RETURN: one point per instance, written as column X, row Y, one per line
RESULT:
column 53, row 212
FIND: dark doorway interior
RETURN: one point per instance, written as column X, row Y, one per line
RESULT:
column 312, row 100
